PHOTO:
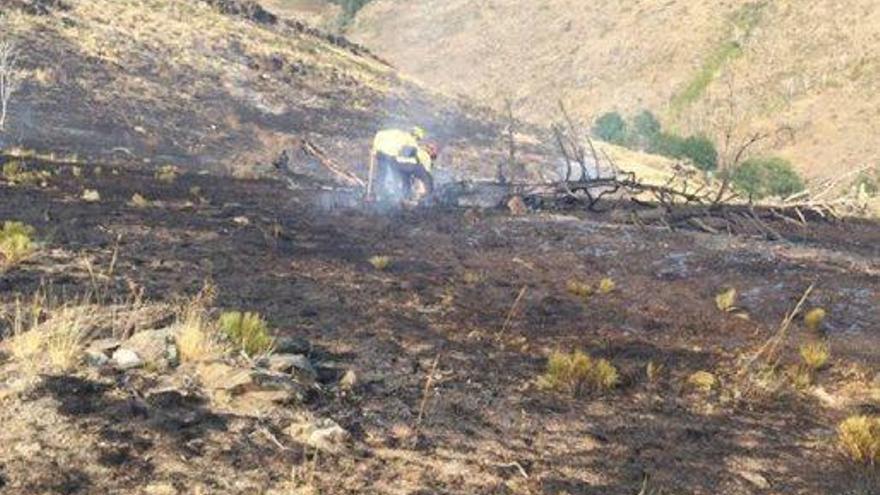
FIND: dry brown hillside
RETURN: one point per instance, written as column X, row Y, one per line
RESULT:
column 808, row 65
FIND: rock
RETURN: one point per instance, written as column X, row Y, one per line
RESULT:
column 149, row 344
column 349, row 380
column 330, row 372
column 286, row 363
column 91, row 196
column 107, row 346
column 219, row 376
column 126, row 359
column 160, row 489
column 96, row 358
column 292, row 345
column 756, row 479
column 323, row 434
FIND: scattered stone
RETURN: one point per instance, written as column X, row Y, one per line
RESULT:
column 91, row 196
column 329, row 371
column 126, row 359
column 219, row 376
column 292, row 345
column 149, row 344
column 160, row 489
column 106, row 346
column 756, row 479
column 96, row 358
column 349, row 380
column 287, row 363
column 242, row 220
column 323, row 434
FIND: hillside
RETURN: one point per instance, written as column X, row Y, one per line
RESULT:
column 178, row 318
column 222, row 85
column 807, row 65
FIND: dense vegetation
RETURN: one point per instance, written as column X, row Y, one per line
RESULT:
column 645, row 133
column 756, row 178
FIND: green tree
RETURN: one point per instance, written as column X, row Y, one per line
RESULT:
column 701, row 151
column 765, row 177
column 611, row 128
column 646, row 125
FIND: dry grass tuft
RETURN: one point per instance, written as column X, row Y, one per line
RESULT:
column 58, row 342
column 726, row 301
column 247, row 331
column 16, row 243
column 577, row 373
column 197, row 339
column 814, row 319
column 703, row 381
column 859, row 438
column 380, row 263
column 815, row 354
column 64, row 340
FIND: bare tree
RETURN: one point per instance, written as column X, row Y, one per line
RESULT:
column 9, row 77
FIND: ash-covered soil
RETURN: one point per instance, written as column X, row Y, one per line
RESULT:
column 446, row 397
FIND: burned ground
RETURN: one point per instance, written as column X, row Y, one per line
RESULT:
column 486, row 427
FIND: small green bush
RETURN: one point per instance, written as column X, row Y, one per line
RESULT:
column 645, row 129
column 611, row 128
column 765, row 177
column 16, row 242
column 577, row 373
column 248, row 331
column 701, row 151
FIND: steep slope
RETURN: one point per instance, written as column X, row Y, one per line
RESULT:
column 223, row 84
column 807, row 65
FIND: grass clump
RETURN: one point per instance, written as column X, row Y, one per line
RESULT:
column 703, row 381
column 579, row 289
column 859, row 438
column 16, row 242
column 576, row 373
column 15, row 172
column 606, row 286
column 815, row 354
column 247, row 331
column 65, row 341
column 198, row 340
column 167, row 174
column 380, row 263
column 814, row 319
column 726, row 301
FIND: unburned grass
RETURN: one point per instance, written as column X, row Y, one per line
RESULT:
column 247, row 331
column 859, row 439
column 577, row 373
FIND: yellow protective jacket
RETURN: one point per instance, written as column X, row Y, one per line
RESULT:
column 399, row 145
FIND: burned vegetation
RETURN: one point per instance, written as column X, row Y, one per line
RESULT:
column 553, row 319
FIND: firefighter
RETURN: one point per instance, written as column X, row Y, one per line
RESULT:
column 399, row 160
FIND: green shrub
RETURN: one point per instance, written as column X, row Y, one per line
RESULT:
column 16, row 242
column 611, row 128
column 248, row 331
column 577, row 373
column 645, row 129
column 764, row 177
column 701, row 151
